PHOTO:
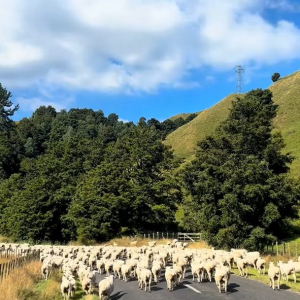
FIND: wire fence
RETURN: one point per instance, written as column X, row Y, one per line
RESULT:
column 16, row 262
column 283, row 248
column 180, row 236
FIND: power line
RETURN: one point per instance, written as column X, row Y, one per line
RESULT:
column 239, row 70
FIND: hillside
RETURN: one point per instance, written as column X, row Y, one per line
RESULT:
column 286, row 94
column 183, row 116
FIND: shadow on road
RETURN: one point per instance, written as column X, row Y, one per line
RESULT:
column 231, row 288
column 283, row 286
column 118, row 295
column 155, row 288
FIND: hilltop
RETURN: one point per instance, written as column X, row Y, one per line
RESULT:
column 184, row 116
column 286, row 93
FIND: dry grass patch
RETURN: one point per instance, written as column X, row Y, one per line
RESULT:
column 198, row 245
column 19, row 283
column 135, row 242
column 4, row 260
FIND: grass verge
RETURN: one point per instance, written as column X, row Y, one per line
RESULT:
column 284, row 285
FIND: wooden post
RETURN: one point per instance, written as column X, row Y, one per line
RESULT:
column 283, row 247
column 277, row 247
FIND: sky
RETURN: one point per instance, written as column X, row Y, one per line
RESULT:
column 142, row 58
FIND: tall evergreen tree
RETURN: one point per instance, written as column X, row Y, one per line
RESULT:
column 240, row 192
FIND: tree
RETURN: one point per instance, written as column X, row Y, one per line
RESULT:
column 275, row 77
column 6, row 110
column 132, row 190
column 9, row 144
column 238, row 184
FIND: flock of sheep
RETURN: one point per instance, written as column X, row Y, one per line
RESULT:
column 147, row 263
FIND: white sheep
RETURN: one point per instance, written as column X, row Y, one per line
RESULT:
column 117, row 268
column 88, row 282
column 65, row 288
column 171, row 278
column 145, row 278
column 106, row 287
column 287, row 269
column 46, row 269
column 222, row 276
column 261, row 265
column 156, row 270
column 196, row 269
column 274, row 273
column 242, row 266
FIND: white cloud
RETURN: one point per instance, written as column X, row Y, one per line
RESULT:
column 127, row 46
column 31, row 104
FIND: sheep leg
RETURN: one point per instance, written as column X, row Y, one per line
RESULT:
column 198, row 274
column 225, row 284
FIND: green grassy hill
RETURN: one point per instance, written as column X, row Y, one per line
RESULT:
column 286, row 94
column 183, row 116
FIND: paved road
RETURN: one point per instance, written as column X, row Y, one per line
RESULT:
column 239, row 288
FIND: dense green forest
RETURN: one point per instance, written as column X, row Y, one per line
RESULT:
column 79, row 175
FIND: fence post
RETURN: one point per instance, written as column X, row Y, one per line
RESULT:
column 277, row 247
column 283, row 248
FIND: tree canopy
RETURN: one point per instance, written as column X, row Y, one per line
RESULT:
column 275, row 77
column 78, row 174
column 241, row 195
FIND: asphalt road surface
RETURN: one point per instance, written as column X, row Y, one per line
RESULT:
column 239, row 288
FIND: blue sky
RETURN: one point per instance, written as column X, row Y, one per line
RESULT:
column 142, row 58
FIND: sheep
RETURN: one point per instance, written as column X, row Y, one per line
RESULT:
column 117, row 268
column 65, row 288
column 156, row 270
column 88, row 282
column 46, row 269
column 242, row 266
column 296, row 265
column 106, row 287
column 222, row 276
column 196, row 270
column 287, row 269
column 145, row 277
column 126, row 271
column 261, row 265
column 179, row 272
column 209, row 268
column 274, row 273
column 100, row 266
column 171, row 278
column 108, row 266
